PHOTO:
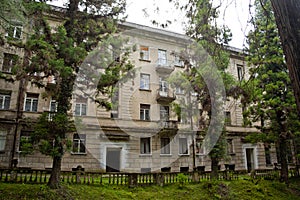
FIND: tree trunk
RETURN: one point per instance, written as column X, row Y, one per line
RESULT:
column 214, row 168
column 54, row 181
column 287, row 17
column 283, row 160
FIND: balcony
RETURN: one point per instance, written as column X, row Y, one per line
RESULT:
column 164, row 66
column 168, row 124
column 165, row 97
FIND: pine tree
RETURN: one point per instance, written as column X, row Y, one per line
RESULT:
column 268, row 92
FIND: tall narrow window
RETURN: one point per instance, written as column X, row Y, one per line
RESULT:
column 145, row 82
column 144, row 112
column 144, row 53
column 240, row 72
column 79, row 143
column 31, row 102
column 227, row 118
column 81, row 107
column 230, row 148
column 183, row 147
column 163, row 85
column 9, row 61
column 4, row 100
column 268, row 155
column 145, row 145
column 165, row 145
column 2, row 139
column 162, row 57
column 164, row 113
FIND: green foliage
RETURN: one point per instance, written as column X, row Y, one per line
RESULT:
column 182, row 178
column 239, row 189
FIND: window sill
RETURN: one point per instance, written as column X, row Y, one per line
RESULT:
column 183, row 155
column 146, row 90
column 145, row 155
column 78, row 154
column 143, row 60
column 165, row 155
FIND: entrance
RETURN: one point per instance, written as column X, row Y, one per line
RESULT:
column 250, row 159
column 113, row 157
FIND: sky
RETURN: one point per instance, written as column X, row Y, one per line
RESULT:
column 144, row 11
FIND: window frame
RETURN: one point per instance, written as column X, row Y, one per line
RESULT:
column 162, row 57
column 33, row 100
column 240, row 72
column 80, row 141
column 145, row 112
column 144, row 53
column 81, row 107
column 181, row 146
column 9, row 61
column 5, row 98
column 144, row 81
column 145, row 146
column 165, row 147
column 3, row 135
column 13, row 29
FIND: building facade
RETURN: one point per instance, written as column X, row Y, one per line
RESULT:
column 142, row 132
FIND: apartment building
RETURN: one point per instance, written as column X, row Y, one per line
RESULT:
column 143, row 132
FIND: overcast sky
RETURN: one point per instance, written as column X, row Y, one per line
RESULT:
column 144, row 11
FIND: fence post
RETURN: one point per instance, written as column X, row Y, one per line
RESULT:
column 159, row 179
column 195, row 177
column 132, row 179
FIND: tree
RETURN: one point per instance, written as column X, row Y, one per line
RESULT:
column 268, row 92
column 59, row 54
column 210, row 83
column 287, row 18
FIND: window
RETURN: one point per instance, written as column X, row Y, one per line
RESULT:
column 179, row 90
column 79, row 143
column 162, row 57
column 31, row 102
column 14, row 31
column 163, row 85
column 240, row 72
column 144, row 53
column 227, row 118
column 145, row 82
column 53, row 106
column 178, row 61
column 165, row 145
column 9, row 61
column 25, row 141
column 230, row 147
column 144, row 112
column 199, row 150
column 4, row 100
column 268, row 155
column 81, row 107
column 2, row 140
column 183, row 146
column 164, row 113
column 145, row 147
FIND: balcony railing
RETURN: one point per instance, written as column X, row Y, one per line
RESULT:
column 165, row 96
column 168, row 124
column 164, row 66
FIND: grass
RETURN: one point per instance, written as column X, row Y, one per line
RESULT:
column 240, row 189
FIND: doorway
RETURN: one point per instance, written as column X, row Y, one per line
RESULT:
column 113, row 157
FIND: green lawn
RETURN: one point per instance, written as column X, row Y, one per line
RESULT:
column 241, row 189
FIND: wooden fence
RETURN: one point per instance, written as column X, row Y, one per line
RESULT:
column 132, row 179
